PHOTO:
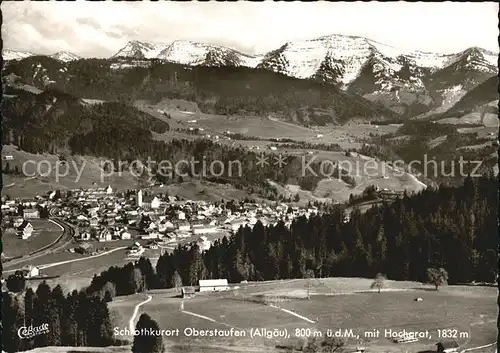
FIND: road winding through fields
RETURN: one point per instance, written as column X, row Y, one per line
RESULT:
column 131, row 323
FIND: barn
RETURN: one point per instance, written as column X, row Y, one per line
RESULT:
column 213, row 285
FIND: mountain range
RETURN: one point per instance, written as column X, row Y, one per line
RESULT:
column 409, row 83
column 65, row 56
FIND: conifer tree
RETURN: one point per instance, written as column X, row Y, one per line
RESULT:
column 147, row 343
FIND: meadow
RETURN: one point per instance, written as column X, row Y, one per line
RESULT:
column 44, row 233
column 336, row 303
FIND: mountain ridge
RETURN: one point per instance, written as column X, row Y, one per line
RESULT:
column 408, row 82
column 155, row 49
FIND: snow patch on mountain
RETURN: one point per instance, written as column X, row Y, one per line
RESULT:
column 8, row 54
column 127, row 63
column 189, row 53
column 138, row 49
column 65, row 56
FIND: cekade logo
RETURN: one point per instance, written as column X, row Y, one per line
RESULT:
column 30, row 331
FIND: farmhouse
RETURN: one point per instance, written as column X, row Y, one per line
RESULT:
column 447, row 347
column 105, row 235
column 31, row 271
column 94, row 222
column 31, row 213
column 25, row 230
column 184, row 227
column 204, row 229
column 213, row 285
column 84, row 236
column 125, row 235
column 188, row 292
column 84, row 248
column 136, row 248
column 151, row 202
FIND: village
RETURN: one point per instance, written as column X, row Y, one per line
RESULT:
column 148, row 221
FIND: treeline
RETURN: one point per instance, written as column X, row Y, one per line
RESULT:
column 427, row 129
column 56, row 122
column 221, row 90
column 235, row 165
column 77, row 319
column 451, row 228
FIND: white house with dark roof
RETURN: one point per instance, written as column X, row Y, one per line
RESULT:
column 31, row 271
column 25, row 230
column 105, row 235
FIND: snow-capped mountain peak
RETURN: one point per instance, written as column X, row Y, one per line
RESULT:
column 188, row 52
column 65, row 56
column 8, row 54
column 140, row 50
column 195, row 53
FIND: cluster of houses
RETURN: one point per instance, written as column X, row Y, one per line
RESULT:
column 101, row 214
column 19, row 218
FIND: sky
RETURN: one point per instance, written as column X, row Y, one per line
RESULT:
column 100, row 29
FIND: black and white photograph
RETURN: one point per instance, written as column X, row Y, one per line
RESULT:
column 249, row 177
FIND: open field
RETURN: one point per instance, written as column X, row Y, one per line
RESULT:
column 186, row 114
column 44, row 233
column 365, row 170
column 76, row 270
column 335, row 303
column 490, row 120
column 38, row 179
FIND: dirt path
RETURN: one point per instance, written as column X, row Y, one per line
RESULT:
column 293, row 313
column 131, row 323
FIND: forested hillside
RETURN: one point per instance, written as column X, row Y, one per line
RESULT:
column 482, row 94
column 440, row 161
column 76, row 319
column 221, row 90
column 53, row 120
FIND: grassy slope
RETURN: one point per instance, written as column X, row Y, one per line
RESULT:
column 465, row 308
column 468, row 309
